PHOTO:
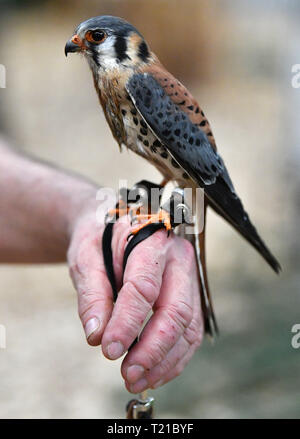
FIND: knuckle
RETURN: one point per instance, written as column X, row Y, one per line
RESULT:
column 160, row 370
column 126, row 328
column 165, row 367
column 146, row 285
column 76, row 269
column 88, row 299
column 181, row 313
column 194, row 333
column 156, row 355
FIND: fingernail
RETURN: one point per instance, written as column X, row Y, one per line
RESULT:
column 139, row 386
column 134, row 373
column 115, row 350
column 91, row 326
column 157, row 384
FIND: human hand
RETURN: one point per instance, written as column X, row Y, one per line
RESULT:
column 161, row 276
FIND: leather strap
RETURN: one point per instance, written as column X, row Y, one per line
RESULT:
column 143, row 234
column 108, row 257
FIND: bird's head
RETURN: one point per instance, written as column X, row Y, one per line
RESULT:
column 109, row 42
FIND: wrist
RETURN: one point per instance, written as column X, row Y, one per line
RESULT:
column 89, row 205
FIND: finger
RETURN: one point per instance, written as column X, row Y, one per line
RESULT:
column 119, row 241
column 178, row 369
column 176, row 359
column 171, row 366
column 173, row 312
column 158, row 372
column 93, row 288
column 193, row 337
column 141, row 287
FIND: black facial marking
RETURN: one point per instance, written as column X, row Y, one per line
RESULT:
column 94, row 55
column 121, row 48
column 143, row 52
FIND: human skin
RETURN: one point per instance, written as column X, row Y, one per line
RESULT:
column 49, row 215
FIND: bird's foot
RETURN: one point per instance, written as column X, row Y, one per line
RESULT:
column 155, row 218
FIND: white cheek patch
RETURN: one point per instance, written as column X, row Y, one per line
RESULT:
column 107, row 54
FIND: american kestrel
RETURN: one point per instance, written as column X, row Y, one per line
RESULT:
column 153, row 114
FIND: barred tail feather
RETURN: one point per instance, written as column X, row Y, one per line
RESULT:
column 210, row 322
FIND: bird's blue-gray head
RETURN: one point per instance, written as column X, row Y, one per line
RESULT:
column 109, row 42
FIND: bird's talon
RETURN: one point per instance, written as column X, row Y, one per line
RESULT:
column 162, row 217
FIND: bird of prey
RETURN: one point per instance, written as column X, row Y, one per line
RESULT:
column 153, row 114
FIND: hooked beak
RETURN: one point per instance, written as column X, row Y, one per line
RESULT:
column 73, row 45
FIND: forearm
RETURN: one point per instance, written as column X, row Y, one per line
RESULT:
column 38, row 206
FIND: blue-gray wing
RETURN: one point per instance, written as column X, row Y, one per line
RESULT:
column 191, row 149
column 186, row 142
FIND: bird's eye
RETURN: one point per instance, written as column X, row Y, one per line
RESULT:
column 95, row 36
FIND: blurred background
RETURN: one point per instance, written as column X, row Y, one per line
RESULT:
column 236, row 58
